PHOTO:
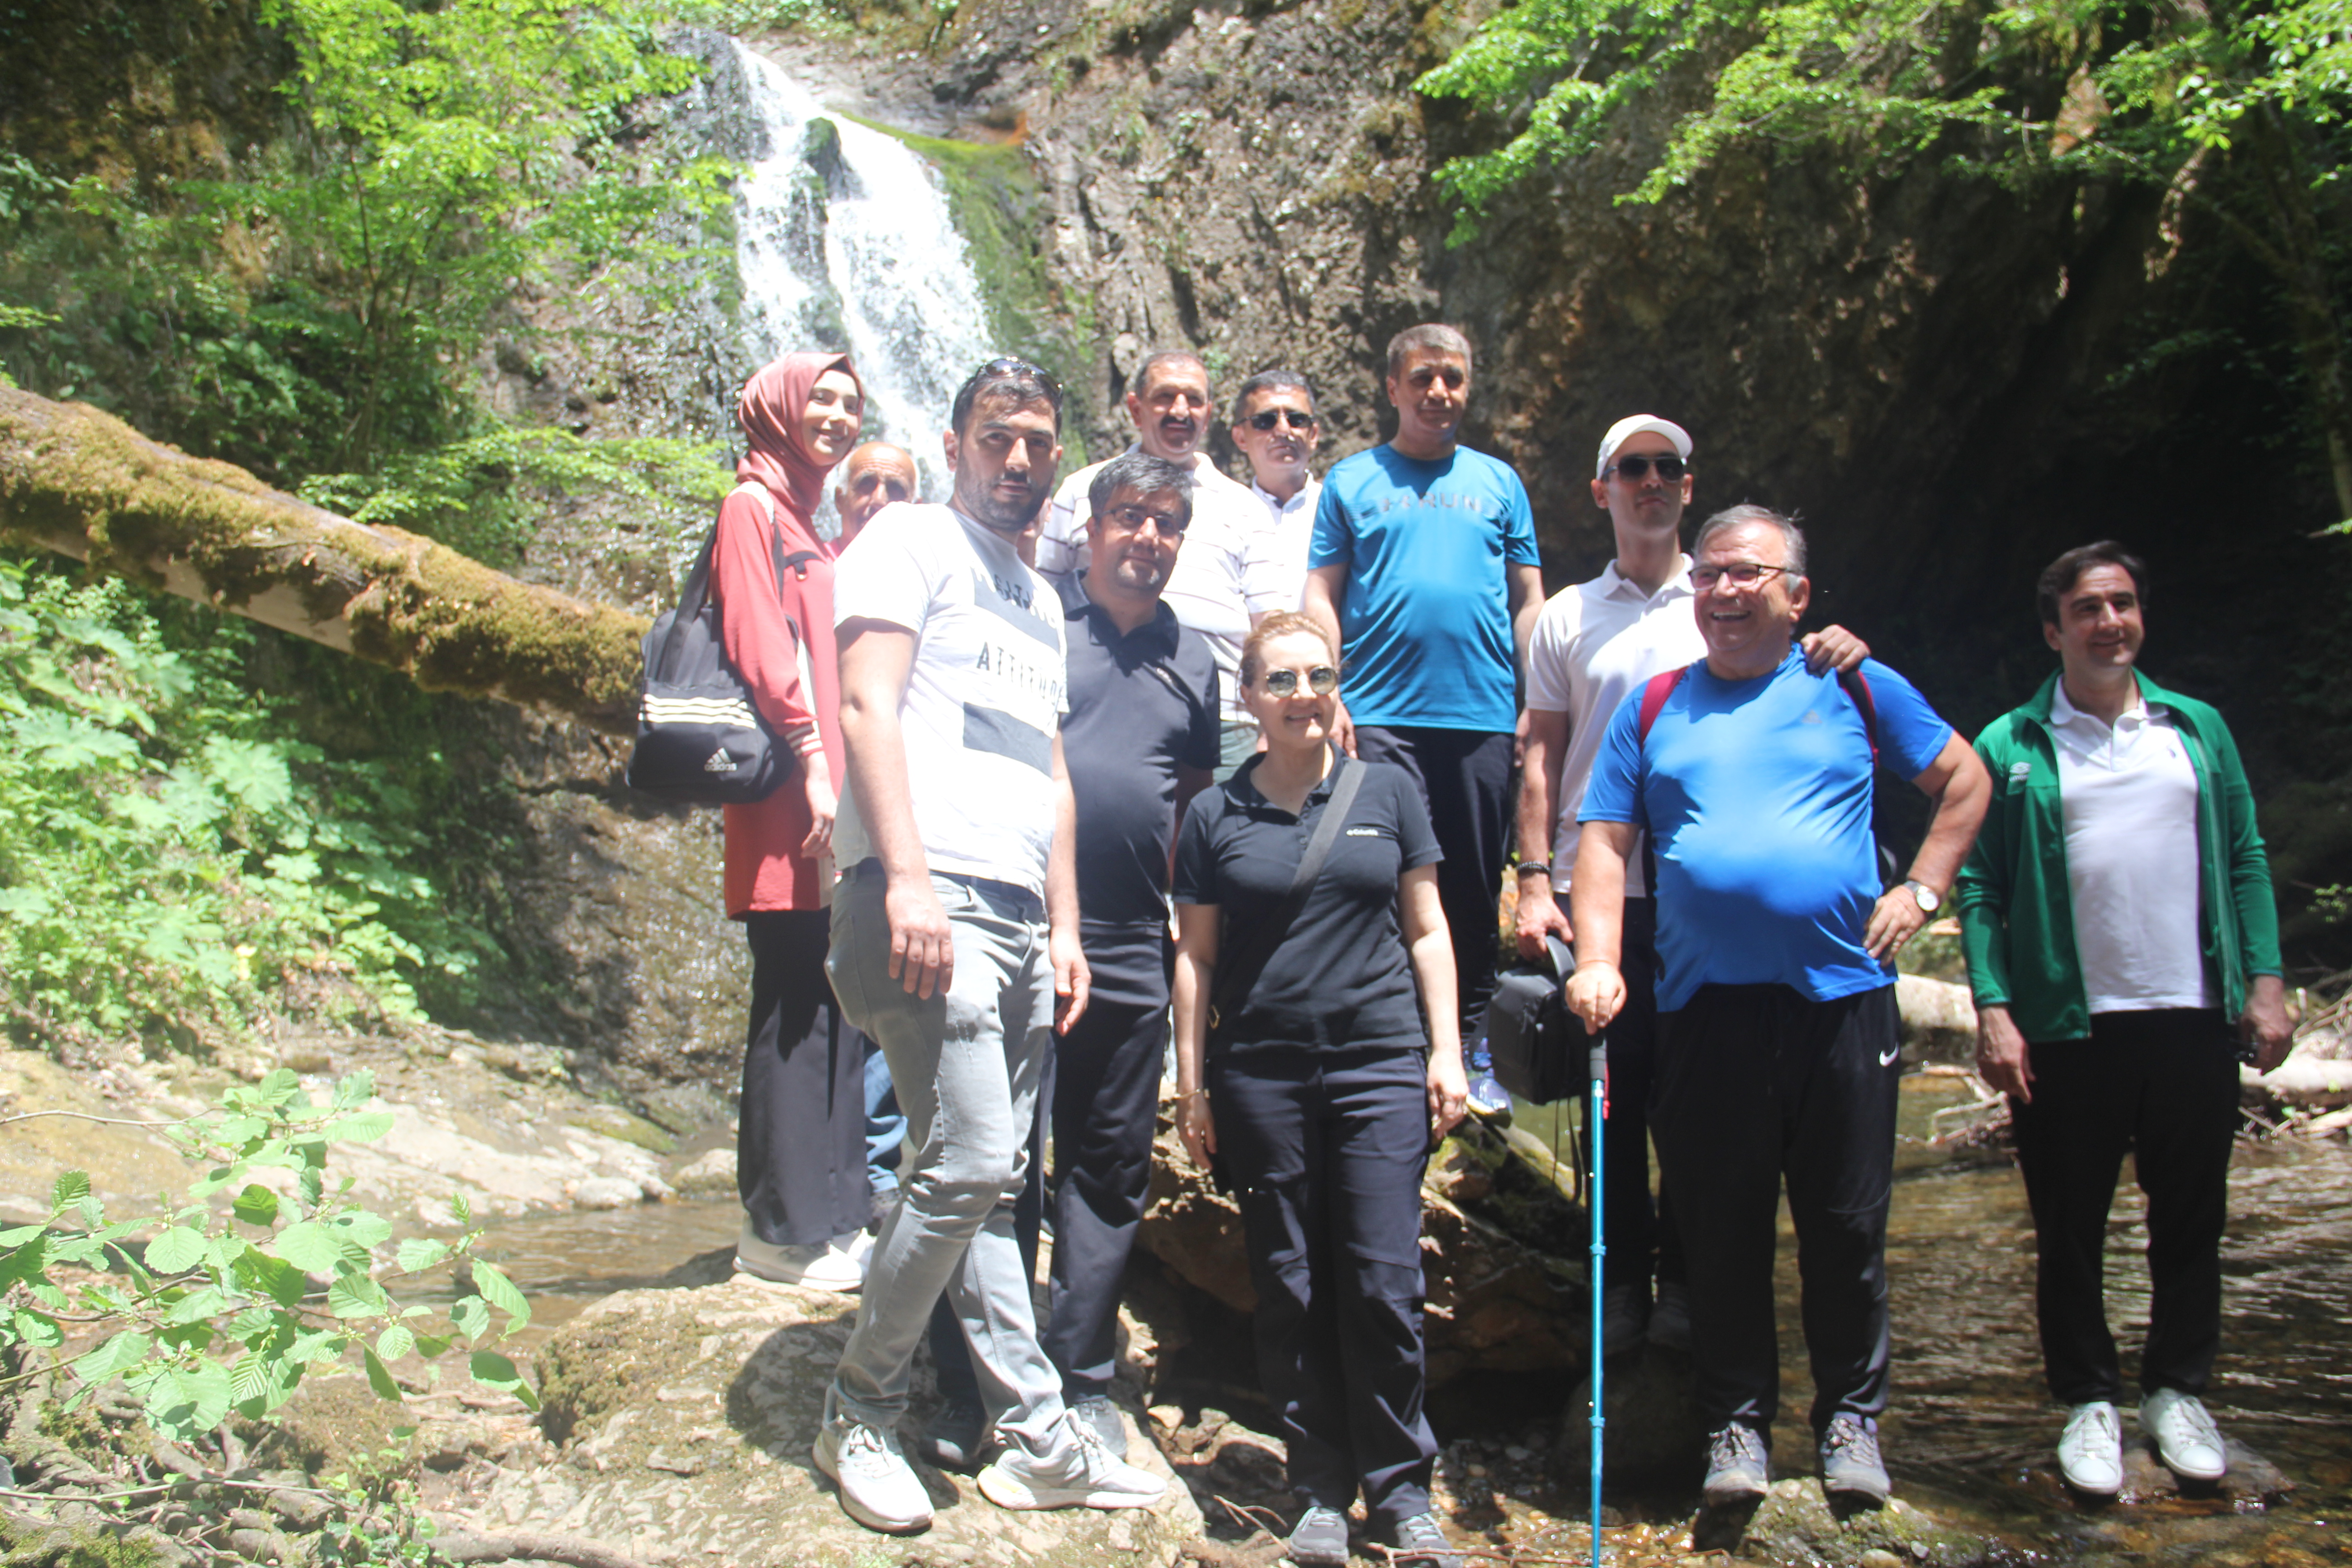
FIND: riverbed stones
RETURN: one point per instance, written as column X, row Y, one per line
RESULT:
column 686, row 1418
column 1797, row 1525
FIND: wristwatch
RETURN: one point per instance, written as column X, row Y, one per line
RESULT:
column 1926, row 897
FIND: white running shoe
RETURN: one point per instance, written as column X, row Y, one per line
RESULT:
column 2091, row 1453
column 2186, row 1438
column 817, row 1267
column 878, row 1488
column 1091, row 1476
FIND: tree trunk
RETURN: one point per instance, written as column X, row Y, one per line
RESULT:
column 82, row 482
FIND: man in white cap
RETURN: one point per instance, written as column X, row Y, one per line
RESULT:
column 1593, row 644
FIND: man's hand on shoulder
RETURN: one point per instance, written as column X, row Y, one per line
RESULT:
column 2265, row 1026
column 1833, row 647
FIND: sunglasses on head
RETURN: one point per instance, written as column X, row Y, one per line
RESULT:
column 1669, row 469
column 1267, row 418
column 1322, row 680
column 1011, row 366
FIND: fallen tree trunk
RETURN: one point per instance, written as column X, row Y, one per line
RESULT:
column 84, row 483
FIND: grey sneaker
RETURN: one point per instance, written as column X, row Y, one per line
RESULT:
column 1421, row 1543
column 955, row 1435
column 1100, row 1413
column 879, row 1487
column 2186, row 1438
column 1737, row 1465
column 2091, row 1453
column 1850, row 1461
column 1624, row 1312
column 1321, row 1540
column 1670, row 1317
column 1089, row 1476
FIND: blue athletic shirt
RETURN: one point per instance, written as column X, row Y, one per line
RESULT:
column 1756, row 797
column 1425, row 626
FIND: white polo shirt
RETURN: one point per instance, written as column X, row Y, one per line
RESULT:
column 1595, row 644
column 1275, row 576
column 2128, row 799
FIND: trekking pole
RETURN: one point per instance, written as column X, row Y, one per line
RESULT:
column 1599, row 1120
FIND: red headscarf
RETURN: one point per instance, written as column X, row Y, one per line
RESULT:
column 774, row 403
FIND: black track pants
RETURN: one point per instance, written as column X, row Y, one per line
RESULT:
column 800, row 1151
column 1638, row 1235
column 1758, row 1084
column 2163, row 1085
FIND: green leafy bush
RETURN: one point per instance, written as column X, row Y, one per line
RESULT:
column 171, row 854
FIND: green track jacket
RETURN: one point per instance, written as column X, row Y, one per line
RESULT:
column 2017, row 915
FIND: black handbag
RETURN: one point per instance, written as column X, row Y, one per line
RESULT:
column 700, row 739
column 1537, row 1045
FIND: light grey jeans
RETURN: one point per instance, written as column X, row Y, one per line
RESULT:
column 966, row 1064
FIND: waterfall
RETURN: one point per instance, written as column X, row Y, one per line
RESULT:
column 843, row 241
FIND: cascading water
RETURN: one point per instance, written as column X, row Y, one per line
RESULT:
column 843, row 241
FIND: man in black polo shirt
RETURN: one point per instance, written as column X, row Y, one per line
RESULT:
column 1140, row 739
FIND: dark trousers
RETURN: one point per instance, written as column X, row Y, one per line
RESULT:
column 1758, row 1084
column 1466, row 778
column 2162, row 1084
column 1639, row 1235
column 1326, row 1150
column 800, row 1148
column 1106, row 1102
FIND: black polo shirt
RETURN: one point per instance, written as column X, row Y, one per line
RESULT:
column 1142, row 704
column 1340, row 974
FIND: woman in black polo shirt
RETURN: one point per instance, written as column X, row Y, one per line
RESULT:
column 1309, row 1073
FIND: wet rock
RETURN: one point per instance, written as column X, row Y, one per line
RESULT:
column 687, row 1417
column 608, row 1192
column 1799, row 1526
column 1654, row 1436
column 2251, row 1483
column 708, row 1174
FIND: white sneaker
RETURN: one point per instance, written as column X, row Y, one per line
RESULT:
column 818, row 1267
column 2091, row 1453
column 879, row 1487
column 857, row 1246
column 1091, row 1477
column 2186, row 1438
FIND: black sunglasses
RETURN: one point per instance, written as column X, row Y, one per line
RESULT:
column 1267, row 418
column 1011, row 366
column 1669, row 469
column 1322, row 680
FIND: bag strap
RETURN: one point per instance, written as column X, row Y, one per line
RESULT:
column 1654, row 692
column 695, row 596
column 1857, row 687
column 1233, row 981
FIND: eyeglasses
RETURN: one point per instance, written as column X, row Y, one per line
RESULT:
column 1742, row 573
column 1008, row 365
column 1638, row 467
column 1169, row 525
column 1267, row 418
column 1322, row 680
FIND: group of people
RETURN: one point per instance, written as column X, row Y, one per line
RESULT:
column 1037, row 721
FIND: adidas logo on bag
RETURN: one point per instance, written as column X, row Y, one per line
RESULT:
column 720, row 762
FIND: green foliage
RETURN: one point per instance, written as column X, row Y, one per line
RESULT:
column 169, row 852
column 227, row 1312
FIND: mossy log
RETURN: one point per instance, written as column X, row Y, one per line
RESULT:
column 81, row 482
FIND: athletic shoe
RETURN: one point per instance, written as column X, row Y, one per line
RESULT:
column 1670, row 1317
column 955, row 1436
column 857, row 1246
column 817, row 1267
column 1624, row 1308
column 2091, row 1454
column 879, row 1487
column 1737, row 1465
column 2186, row 1438
column 1321, row 1540
column 1850, row 1461
column 1100, row 1413
column 1488, row 1096
column 1089, row 1476
column 1421, row 1543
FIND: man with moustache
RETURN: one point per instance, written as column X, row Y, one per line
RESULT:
column 1424, row 572
column 1594, row 643
column 956, row 947
column 1778, row 1054
column 872, row 476
column 1276, row 427
column 1170, row 405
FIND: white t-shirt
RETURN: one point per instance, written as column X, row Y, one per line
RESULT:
column 2128, row 799
column 985, row 697
column 1593, row 646
column 1205, row 587
column 1275, row 576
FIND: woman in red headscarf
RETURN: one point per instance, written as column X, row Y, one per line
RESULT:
column 801, row 1150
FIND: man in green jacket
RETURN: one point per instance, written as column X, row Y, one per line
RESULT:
column 2123, row 947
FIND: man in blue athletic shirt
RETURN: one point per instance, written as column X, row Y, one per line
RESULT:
column 1777, row 1046
column 1424, row 570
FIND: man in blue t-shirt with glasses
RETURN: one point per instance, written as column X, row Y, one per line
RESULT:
column 1777, row 1052
column 1424, row 571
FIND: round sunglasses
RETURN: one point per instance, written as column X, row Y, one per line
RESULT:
column 1322, row 680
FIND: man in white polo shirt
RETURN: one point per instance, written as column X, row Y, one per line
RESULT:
column 955, row 946
column 1277, row 428
column 1170, row 405
column 1593, row 644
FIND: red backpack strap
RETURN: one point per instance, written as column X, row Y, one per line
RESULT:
column 1857, row 687
column 1654, row 692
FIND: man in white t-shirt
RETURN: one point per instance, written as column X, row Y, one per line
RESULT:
column 955, row 946
column 1170, row 405
column 2117, row 913
column 1276, row 427
column 1593, row 644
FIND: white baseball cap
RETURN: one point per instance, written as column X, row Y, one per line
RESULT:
column 1633, row 425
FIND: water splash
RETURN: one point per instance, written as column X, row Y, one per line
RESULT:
column 843, row 241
